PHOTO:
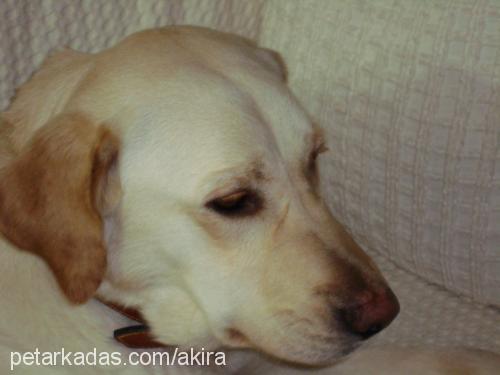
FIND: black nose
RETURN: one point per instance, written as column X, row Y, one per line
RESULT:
column 370, row 313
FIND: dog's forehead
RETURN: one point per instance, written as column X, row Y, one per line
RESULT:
column 219, row 93
column 211, row 125
column 206, row 119
column 190, row 118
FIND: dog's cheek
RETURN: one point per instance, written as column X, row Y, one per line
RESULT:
column 176, row 319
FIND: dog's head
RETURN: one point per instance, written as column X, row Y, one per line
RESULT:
column 176, row 173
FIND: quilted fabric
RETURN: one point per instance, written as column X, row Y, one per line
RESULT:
column 409, row 92
column 409, row 95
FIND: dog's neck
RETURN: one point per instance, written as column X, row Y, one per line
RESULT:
column 137, row 336
column 35, row 313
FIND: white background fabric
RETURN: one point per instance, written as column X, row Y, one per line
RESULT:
column 409, row 94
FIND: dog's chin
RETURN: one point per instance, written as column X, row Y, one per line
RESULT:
column 312, row 353
column 321, row 358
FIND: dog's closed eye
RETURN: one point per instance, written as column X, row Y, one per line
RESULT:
column 313, row 156
column 238, row 203
column 311, row 165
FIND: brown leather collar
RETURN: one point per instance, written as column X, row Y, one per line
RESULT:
column 137, row 336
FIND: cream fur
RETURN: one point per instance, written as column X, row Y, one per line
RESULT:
column 199, row 114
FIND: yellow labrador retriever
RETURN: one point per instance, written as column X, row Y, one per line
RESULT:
column 173, row 175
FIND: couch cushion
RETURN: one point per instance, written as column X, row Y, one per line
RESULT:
column 409, row 95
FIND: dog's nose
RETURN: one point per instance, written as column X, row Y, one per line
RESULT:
column 371, row 313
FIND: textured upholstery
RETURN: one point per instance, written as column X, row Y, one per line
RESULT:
column 409, row 94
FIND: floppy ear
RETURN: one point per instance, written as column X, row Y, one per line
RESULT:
column 54, row 195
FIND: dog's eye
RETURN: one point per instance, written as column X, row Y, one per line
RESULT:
column 319, row 149
column 237, row 204
column 311, row 162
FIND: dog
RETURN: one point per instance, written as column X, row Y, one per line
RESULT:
column 172, row 180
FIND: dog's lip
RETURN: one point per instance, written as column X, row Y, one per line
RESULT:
column 236, row 338
column 325, row 357
column 354, row 345
column 329, row 360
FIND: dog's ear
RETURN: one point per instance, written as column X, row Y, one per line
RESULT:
column 54, row 196
column 45, row 94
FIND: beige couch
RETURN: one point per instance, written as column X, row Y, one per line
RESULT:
column 409, row 95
